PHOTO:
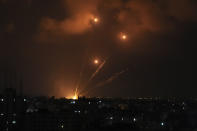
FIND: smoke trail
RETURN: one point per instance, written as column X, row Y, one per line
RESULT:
column 93, row 75
column 97, row 70
column 80, row 77
column 83, row 67
column 107, row 81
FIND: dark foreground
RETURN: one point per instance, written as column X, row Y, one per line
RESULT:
column 96, row 114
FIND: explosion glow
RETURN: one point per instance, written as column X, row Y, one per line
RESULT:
column 96, row 20
column 75, row 97
column 123, row 36
column 96, row 61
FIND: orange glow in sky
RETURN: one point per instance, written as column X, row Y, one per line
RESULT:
column 96, row 20
column 96, row 61
column 123, row 36
column 75, row 97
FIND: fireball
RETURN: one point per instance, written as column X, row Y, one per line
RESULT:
column 96, row 61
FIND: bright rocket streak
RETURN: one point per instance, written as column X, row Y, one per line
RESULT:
column 109, row 80
column 97, row 70
column 94, row 74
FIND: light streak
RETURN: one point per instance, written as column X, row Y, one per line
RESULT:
column 107, row 81
column 97, row 70
column 93, row 75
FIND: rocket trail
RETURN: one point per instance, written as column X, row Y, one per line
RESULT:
column 78, row 82
column 110, row 79
column 97, row 70
column 107, row 81
column 94, row 74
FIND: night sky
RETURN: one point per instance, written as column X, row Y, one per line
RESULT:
column 50, row 42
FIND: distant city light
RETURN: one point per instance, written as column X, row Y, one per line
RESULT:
column 2, row 114
column 62, row 126
column 134, row 119
column 162, row 124
column 77, row 112
column 72, row 102
column 111, row 118
column 89, row 102
column 13, row 122
column 25, row 100
column 2, row 99
column 122, row 119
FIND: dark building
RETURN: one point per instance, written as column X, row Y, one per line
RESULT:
column 18, row 112
column 12, row 103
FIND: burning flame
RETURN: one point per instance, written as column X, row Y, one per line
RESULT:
column 123, row 36
column 96, row 61
column 95, row 20
column 75, row 97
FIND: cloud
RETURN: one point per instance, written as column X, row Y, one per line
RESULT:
column 80, row 15
column 135, row 16
column 75, row 25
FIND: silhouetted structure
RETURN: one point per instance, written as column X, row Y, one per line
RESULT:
column 91, row 114
column 11, row 102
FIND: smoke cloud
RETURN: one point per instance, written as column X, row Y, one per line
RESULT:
column 134, row 16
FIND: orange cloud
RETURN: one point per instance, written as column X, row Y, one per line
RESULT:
column 135, row 17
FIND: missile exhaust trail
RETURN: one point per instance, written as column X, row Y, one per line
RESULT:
column 107, row 81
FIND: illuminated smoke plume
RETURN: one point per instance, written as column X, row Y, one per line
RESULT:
column 79, row 20
column 135, row 16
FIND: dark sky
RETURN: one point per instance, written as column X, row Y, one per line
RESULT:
column 50, row 42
